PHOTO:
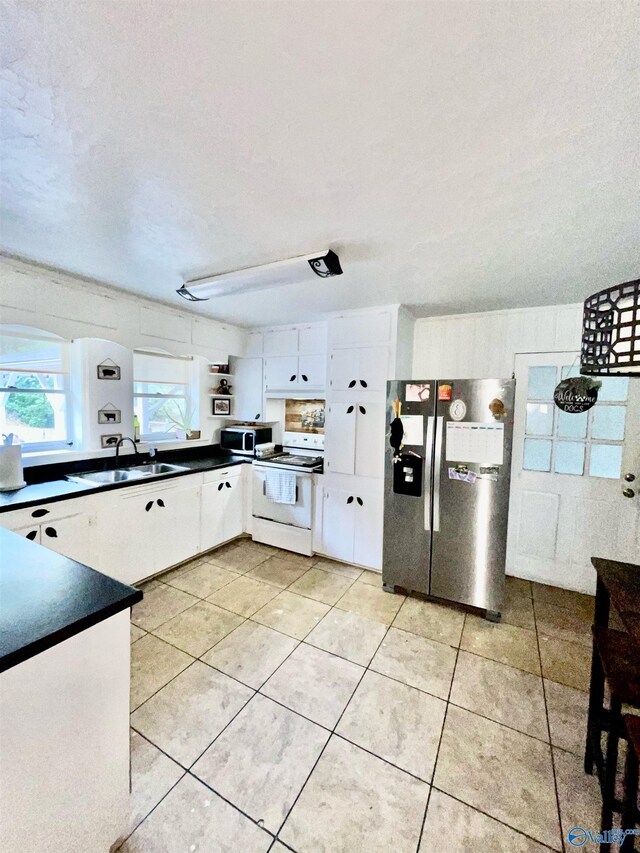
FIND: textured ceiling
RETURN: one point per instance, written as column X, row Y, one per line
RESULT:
column 458, row 156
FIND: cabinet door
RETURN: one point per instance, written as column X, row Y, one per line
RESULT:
column 338, row 511
column 373, row 368
column 247, row 387
column 343, row 370
column 126, row 535
column 369, row 443
column 281, row 372
column 367, row 547
column 70, row 536
column 312, row 339
column 233, row 518
column 312, row 371
column 212, row 504
column 31, row 532
column 176, row 513
column 360, row 329
column 281, row 342
column 340, row 438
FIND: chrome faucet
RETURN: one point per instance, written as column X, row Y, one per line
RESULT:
column 121, row 442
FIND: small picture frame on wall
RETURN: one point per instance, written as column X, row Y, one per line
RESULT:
column 110, row 440
column 109, row 415
column 108, row 369
column 222, row 407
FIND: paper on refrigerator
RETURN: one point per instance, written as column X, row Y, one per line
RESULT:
column 473, row 441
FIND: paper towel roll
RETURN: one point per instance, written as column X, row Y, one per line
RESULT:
column 11, row 468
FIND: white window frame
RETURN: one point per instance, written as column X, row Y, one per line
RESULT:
column 190, row 396
column 65, row 391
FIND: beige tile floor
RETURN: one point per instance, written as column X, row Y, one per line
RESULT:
column 282, row 703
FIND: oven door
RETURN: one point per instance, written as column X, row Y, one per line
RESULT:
column 299, row 514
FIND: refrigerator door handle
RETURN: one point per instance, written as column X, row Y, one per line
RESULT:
column 427, row 473
column 437, row 459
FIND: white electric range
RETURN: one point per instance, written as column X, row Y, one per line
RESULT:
column 282, row 492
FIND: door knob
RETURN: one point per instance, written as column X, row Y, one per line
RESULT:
column 628, row 493
column 629, row 477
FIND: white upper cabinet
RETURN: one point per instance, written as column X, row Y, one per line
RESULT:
column 359, row 369
column 312, row 371
column 281, row 341
column 312, row 339
column 280, row 372
column 247, row 387
column 254, row 345
column 354, row 330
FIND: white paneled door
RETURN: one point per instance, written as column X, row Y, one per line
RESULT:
column 575, row 484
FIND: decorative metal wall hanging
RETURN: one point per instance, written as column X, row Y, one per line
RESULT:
column 611, row 332
column 576, row 394
column 108, row 369
column 110, row 440
column 109, row 415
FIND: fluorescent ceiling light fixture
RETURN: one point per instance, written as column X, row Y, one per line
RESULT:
column 292, row 271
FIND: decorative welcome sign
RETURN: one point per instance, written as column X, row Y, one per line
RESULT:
column 576, row 394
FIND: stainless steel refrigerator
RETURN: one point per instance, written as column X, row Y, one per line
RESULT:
column 446, row 498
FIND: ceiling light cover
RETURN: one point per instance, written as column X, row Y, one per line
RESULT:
column 611, row 332
column 324, row 264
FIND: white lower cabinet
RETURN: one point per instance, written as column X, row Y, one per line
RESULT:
column 221, row 508
column 62, row 527
column 145, row 529
column 352, row 524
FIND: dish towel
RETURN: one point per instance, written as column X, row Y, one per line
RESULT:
column 280, row 486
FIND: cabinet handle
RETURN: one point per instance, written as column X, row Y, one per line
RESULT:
column 304, row 378
column 220, row 485
column 51, row 532
column 148, row 506
column 293, row 378
column 349, row 410
column 160, row 502
column 38, row 513
column 363, row 383
column 359, row 501
column 227, row 484
column 363, row 411
column 350, row 499
column 352, row 383
column 32, row 534
column 257, row 417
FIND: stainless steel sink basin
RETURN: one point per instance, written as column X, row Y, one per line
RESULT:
column 154, row 469
column 103, row 477
column 120, row 475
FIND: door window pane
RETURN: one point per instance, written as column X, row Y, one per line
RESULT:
column 614, row 388
column 537, row 454
column 608, row 423
column 571, row 426
column 569, row 457
column 539, row 418
column 606, row 460
column 570, row 370
column 542, row 381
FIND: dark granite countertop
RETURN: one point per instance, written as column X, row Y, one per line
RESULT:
column 60, row 489
column 46, row 598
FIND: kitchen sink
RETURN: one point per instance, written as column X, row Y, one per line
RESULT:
column 121, row 475
column 154, row 469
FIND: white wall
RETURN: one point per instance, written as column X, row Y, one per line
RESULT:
column 477, row 346
column 80, row 309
